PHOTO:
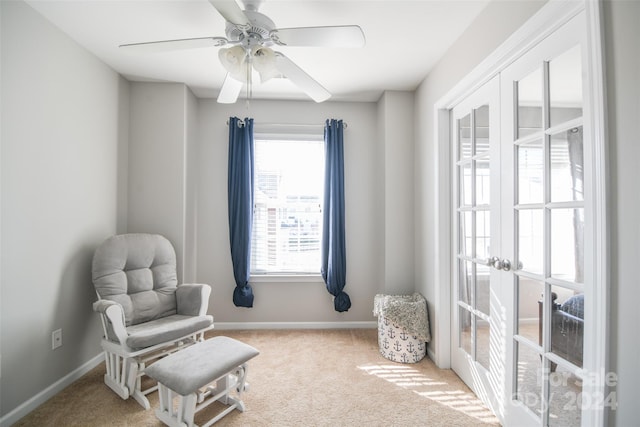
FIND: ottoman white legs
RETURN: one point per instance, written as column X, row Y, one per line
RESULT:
column 194, row 378
column 188, row 406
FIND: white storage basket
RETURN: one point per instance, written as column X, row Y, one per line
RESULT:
column 403, row 327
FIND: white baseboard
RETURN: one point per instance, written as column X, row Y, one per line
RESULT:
column 294, row 325
column 37, row 400
column 431, row 355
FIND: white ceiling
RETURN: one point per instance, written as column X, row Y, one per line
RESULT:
column 404, row 40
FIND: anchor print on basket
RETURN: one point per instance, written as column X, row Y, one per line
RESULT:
column 391, row 332
column 397, row 344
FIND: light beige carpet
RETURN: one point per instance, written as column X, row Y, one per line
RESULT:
column 301, row 378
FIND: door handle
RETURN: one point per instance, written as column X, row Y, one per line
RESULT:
column 500, row 264
column 505, row 264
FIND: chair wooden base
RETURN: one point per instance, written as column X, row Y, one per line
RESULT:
column 124, row 370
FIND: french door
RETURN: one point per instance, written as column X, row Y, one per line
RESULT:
column 523, row 228
column 477, row 152
column 546, row 224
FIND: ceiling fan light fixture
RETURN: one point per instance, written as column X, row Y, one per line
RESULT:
column 264, row 62
column 234, row 60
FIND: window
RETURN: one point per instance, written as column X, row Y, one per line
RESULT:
column 287, row 217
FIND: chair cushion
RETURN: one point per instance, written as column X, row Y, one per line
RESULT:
column 165, row 329
column 138, row 271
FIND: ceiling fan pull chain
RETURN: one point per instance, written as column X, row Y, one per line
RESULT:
column 249, row 79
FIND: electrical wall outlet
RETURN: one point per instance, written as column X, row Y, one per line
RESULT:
column 56, row 339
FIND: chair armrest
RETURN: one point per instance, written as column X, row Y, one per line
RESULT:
column 560, row 316
column 193, row 299
column 101, row 305
column 113, row 316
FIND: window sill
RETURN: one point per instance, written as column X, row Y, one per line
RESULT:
column 286, row 278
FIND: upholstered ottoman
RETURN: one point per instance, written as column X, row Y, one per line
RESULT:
column 200, row 375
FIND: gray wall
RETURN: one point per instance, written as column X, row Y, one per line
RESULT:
column 395, row 121
column 191, row 191
column 157, row 162
column 622, row 33
column 62, row 140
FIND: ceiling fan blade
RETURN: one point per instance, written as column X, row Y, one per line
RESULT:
column 230, row 11
column 340, row 36
column 230, row 90
column 179, row 44
column 301, row 79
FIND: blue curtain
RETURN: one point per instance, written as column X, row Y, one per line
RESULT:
column 334, row 261
column 240, row 194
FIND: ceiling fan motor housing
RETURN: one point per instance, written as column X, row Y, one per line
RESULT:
column 257, row 33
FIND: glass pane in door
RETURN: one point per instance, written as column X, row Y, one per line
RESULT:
column 567, row 166
column 529, row 377
column 530, row 104
column 465, row 282
column 565, row 86
column 530, row 308
column 466, row 193
column 482, row 342
column 483, row 181
column 464, row 132
column 481, row 127
column 483, row 288
column 567, row 244
column 483, row 234
column 530, row 249
column 530, row 172
column 465, row 329
column 567, row 324
column 565, row 399
column 466, row 233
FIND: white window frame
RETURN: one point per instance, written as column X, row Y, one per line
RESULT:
column 287, row 132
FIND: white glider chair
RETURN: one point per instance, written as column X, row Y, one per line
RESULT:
column 145, row 313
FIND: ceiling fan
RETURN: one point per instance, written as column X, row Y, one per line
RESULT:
column 250, row 35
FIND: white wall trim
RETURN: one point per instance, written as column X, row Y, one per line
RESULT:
column 46, row 394
column 228, row 326
column 598, row 157
column 443, row 230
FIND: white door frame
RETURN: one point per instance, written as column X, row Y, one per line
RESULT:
column 547, row 20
